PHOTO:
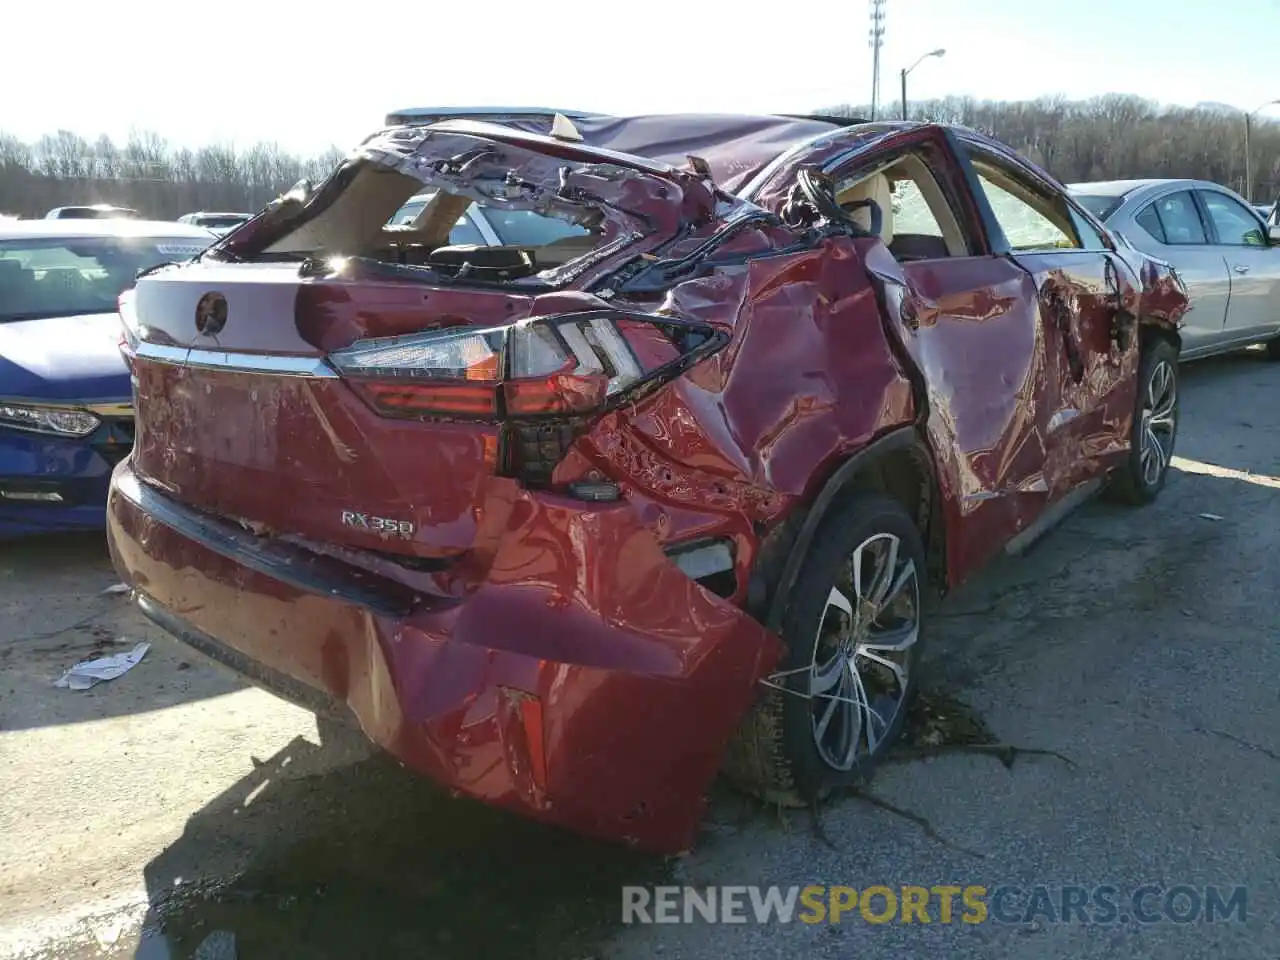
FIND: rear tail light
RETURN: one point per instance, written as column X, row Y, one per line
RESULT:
column 539, row 377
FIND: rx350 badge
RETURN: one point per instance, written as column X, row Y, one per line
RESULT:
column 383, row 525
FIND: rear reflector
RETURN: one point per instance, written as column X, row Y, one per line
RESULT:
column 708, row 562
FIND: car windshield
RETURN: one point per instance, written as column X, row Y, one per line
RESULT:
column 1100, row 207
column 54, row 277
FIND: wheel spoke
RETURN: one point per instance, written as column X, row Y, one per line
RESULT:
column 1151, row 473
column 1157, row 450
column 829, row 711
column 906, row 575
column 850, row 718
column 884, row 579
column 894, row 639
column 868, row 716
column 1162, row 422
column 857, row 568
column 838, row 600
column 1158, row 386
column 828, row 676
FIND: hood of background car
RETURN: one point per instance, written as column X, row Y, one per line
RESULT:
column 63, row 359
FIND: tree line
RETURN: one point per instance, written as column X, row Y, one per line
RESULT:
column 1106, row 138
column 147, row 173
column 1116, row 137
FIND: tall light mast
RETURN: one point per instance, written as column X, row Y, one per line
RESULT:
column 877, row 41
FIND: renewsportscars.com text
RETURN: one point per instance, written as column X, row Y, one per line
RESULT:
column 940, row 903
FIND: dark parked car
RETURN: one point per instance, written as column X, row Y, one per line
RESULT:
column 560, row 524
column 66, row 415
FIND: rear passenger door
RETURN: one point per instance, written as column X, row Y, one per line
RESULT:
column 1078, row 283
column 1253, row 264
column 1174, row 231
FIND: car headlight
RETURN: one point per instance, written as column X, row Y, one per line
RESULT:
column 55, row 420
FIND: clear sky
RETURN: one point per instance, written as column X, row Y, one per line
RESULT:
column 308, row 75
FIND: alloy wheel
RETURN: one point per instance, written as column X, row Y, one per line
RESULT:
column 859, row 678
column 1159, row 422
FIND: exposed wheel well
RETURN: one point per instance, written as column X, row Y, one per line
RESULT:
column 1149, row 332
column 907, row 475
column 902, row 469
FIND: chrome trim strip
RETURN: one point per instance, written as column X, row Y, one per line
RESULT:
column 101, row 408
column 283, row 366
column 122, row 408
column 417, row 115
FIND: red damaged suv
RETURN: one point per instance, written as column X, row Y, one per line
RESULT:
column 655, row 485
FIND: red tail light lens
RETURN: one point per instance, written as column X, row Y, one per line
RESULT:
column 548, row 366
column 541, row 377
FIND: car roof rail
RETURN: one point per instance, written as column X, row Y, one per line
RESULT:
column 827, row 118
column 425, row 115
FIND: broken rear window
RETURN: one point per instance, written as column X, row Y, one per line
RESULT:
column 451, row 205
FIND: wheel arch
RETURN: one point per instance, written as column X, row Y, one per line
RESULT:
column 898, row 464
column 1150, row 331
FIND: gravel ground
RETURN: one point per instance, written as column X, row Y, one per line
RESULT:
column 174, row 812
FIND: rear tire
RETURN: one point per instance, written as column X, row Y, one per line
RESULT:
column 1155, row 427
column 1273, row 349
column 854, row 634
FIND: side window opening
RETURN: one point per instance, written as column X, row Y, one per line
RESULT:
column 1180, row 220
column 1234, row 224
column 919, row 223
column 1030, row 219
column 1149, row 220
column 1090, row 238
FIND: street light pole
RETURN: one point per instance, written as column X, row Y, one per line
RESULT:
column 906, row 70
column 1248, row 156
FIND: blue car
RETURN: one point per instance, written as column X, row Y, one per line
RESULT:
column 66, row 412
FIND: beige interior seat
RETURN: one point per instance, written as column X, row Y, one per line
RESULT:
column 875, row 188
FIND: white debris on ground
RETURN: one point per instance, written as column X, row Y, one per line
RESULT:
column 117, row 588
column 87, row 673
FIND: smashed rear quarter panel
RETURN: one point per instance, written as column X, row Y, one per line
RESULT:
column 740, row 441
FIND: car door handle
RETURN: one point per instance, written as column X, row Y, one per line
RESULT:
column 1241, row 268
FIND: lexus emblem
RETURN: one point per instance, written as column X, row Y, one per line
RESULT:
column 211, row 314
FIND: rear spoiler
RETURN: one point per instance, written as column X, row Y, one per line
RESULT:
column 427, row 115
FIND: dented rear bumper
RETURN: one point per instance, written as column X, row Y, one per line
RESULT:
column 584, row 681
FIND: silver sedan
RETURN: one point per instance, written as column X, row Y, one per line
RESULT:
column 1227, row 254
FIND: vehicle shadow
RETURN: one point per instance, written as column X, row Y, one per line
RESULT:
column 365, row 859
column 54, row 613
